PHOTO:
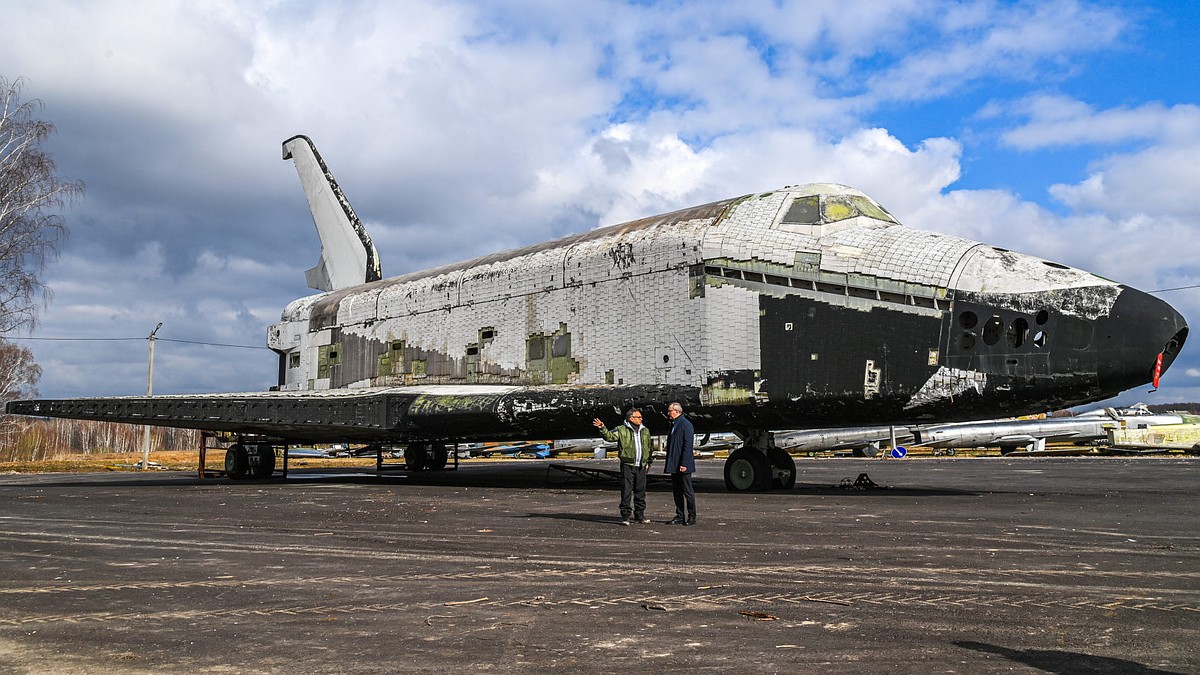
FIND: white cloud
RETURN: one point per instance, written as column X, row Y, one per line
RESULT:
column 1159, row 181
column 461, row 128
column 1056, row 120
column 1134, row 217
column 1012, row 41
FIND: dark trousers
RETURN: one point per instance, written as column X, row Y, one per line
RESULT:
column 681, row 487
column 633, row 488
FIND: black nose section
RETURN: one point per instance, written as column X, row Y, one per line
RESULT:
column 1130, row 339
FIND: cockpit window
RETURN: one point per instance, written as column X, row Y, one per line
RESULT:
column 838, row 207
column 804, row 211
column 818, row 209
column 871, row 209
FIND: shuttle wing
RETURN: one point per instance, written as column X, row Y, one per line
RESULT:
column 380, row 414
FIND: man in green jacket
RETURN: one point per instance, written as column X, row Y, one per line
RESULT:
column 633, row 448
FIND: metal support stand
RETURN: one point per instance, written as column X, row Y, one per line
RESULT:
column 203, row 471
column 380, row 467
column 863, row 482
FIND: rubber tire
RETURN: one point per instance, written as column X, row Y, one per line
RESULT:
column 780, row 459
column 747, row 469
column 438, row 457
column 236, row 462
column 416, row 457
column 266, row 461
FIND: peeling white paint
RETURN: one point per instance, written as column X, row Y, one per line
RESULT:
column 947, row 383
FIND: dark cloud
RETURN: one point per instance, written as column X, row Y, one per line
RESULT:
column 461, row 129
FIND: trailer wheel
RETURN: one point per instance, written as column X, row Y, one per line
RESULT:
column 438, row 457
column 236, row 462
column 264, row 464
column 416, row 457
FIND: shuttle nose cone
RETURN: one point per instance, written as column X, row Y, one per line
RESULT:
column 1139, row 329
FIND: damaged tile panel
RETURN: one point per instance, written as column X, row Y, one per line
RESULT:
column 882, row 250
column 775, row 279
column 325, row 307
column 647, row 277
column 739, row 236
column 1088, row 302
column 705, row 213
column 995, row 272
column 731, row 329
column 861, row 245
column 895, row 252
column 945, row 384
column 287, row 333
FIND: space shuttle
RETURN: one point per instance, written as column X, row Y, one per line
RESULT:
column 803, row 307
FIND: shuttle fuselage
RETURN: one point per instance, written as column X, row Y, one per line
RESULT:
column 804, row 307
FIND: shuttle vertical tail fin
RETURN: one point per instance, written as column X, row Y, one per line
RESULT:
column 348, row 257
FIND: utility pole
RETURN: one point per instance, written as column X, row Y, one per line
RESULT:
column 149, row 393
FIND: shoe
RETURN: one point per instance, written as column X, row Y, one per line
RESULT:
column 644, row 521
column 625, row 522
column 691, row 521
column 677, row 521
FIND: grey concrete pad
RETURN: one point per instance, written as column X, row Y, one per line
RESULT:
column 1065, row 565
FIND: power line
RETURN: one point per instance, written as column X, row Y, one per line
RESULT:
column 1178, row 288
column 66, row 339
column 140, row 339
column 212, row 344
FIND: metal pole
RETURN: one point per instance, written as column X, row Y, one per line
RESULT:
column 149, row 393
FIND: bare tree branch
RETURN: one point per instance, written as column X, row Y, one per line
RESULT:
column 31, row 194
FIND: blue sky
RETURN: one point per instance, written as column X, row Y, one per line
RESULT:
column 1066, row 129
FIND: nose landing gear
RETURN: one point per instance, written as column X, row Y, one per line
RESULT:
column 759, row 465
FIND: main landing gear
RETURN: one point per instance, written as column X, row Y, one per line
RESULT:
column 425, row 456
column 250, row 460
column 759, row 465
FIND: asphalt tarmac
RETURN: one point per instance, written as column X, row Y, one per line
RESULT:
column 953, row 565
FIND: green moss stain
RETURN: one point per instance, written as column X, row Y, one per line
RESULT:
column 328, row 356
column 548, row 357
column 391, row 362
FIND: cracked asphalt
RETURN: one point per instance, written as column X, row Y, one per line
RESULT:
column 956, row 565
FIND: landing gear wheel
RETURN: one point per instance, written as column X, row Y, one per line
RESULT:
column 747, row 469
column 417, row 457
column 263, row 464
column 781, row 461
column 236, row 462
column 438, row 457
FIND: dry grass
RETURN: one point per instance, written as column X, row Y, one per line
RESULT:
column 186, row 460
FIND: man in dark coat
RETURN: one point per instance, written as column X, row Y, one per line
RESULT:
column 681, row 464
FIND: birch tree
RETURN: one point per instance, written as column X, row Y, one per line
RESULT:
column 31, row 196
column 18, row 379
